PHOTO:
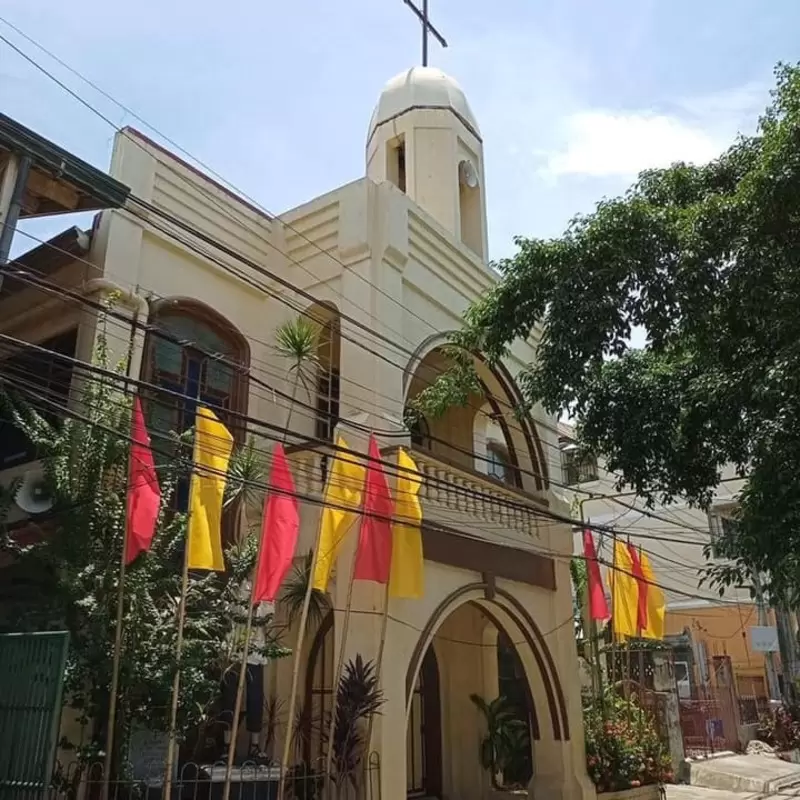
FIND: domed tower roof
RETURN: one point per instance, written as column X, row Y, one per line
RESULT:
column 422, row 88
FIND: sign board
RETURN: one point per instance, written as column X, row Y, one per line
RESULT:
column 764, row 638
column 148, row 755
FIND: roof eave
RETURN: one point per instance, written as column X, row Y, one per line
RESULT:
column 95, row 189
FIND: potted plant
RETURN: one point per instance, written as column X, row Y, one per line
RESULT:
column 506, row 738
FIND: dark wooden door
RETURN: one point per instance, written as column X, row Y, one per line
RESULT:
column 424, row 740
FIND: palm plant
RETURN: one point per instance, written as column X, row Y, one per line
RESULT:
column 273, row 713
column 297, row 340
column 294, row 594
column 506, row 735
column 246, row 475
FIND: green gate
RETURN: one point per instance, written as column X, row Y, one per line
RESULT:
column 31, row 680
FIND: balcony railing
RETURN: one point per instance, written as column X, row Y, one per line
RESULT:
column 450, row 492
column 450, row 495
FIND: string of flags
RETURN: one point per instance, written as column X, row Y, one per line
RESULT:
column 389, row 549
column 637, row 602
column 390, row 540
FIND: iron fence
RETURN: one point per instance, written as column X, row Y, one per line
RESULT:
column 703, row 727
column 751, row 707
column 194, row 781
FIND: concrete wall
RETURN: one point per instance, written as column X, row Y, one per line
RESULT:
column 402, row 280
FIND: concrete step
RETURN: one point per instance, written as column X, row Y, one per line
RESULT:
column 753, row 774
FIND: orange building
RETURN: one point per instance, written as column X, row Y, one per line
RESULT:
column 723, row 630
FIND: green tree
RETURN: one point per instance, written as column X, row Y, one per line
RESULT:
column 72, row 574
column 706, row 261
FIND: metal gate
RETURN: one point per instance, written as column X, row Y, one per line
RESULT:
column 31, row 681
column 710, row 720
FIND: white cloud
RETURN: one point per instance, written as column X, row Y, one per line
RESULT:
column 605, row 143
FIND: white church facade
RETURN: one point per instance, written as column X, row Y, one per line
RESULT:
column 385, row 265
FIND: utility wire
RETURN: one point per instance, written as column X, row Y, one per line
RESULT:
column 154, row 209
column 277, row 433
column 320, row 502
column 233, row 364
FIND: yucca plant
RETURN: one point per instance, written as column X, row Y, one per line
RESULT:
column 358, row 698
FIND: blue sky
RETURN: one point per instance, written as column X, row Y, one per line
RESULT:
column 573, row 96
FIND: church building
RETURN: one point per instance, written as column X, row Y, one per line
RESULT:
column 385, row 266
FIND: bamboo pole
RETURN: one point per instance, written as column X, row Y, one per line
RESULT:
column 173, row 717
column 339, row 667
column 237, row 706
column 112, row 700
column 296, row 669
column 379, row 660
column 614, row 618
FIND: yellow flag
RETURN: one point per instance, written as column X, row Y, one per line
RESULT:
column 407, row 576
column 656, row 605
column 624, row 593
column 213, row 444
column 340, row 511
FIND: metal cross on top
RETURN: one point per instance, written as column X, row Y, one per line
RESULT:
column 427, row 27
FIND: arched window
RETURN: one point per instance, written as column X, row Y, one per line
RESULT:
column 328, row 359
column 319, row 693
column 420, row 432
column 498, row 463
column 199, row 357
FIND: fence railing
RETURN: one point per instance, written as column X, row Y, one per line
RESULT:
column 751, row 707
column 193, row 781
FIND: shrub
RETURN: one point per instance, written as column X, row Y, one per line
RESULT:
column 623, row 748
column 780, row 728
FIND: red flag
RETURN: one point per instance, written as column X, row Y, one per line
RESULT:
column 641, row 580
column 144, row 493
column 278, row 530
column 374, row 557
column 598, row 607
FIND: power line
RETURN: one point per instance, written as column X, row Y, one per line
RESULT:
column 242, row 195
column 232, row 253
column 211, row 197
column 349, row 453
column 239, row 367
column 320, row 502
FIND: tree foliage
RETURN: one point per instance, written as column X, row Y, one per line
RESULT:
column 72, row 572
column 706, row 260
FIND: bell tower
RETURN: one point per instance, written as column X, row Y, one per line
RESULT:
column 424, row 138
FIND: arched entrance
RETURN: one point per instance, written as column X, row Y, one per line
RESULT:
column 469, row 671
column 424, row 732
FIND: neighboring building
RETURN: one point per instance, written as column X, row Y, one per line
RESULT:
column 674, row 537
column 391, row 261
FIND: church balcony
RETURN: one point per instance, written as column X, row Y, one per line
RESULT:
column 451, row 495
column 465, row 499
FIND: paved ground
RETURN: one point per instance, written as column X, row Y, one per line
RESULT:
column 686, row 792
